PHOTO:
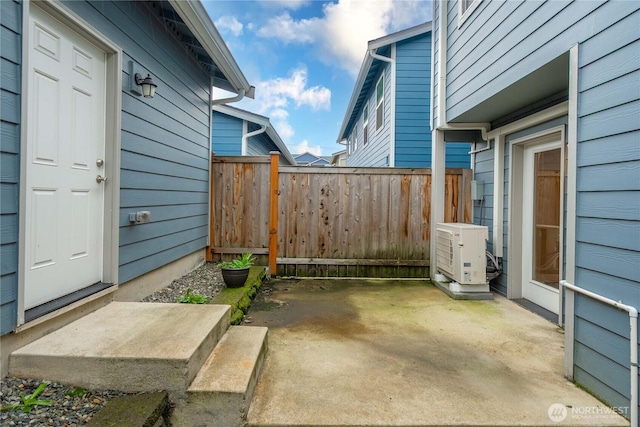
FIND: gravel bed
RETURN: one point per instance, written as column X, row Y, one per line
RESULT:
column 68, row 410
column 205, row 280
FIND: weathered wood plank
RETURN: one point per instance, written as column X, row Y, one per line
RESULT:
column 336, row 261
column 348, row 222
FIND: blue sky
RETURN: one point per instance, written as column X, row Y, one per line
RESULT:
column 303, row 57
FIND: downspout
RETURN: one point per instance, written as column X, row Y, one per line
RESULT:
column 246, row 136
column 438, row 143
column 235, row 98
column 442, row 80
column 392, row 78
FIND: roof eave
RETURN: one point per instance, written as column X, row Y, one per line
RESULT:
column 368, row 62
column 362, row 76
column 199, row 22
column 399, row 36
column 280, row 144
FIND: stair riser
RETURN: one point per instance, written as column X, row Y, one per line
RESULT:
column 210, row 408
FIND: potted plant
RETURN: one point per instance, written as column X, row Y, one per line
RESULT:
column 236, row 271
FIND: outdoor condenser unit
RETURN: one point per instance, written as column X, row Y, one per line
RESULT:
column 460, row 252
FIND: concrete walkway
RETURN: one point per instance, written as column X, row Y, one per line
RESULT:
column 391, row 353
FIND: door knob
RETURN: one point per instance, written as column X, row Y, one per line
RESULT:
column 100, row 163
column 101, row 179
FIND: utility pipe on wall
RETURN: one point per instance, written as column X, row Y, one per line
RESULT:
column 633, row 341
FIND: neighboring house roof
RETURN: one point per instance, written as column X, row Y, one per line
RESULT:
column 201, row 37
column 369, row 71
column 337, row 156
column 260, row 121
column 309, row 159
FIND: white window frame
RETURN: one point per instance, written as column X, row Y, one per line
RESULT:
column 355, row 138
column 365, row 125
column 380, row 104
column 465, row 12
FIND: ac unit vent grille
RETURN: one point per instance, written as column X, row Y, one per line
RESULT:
column 444, row 248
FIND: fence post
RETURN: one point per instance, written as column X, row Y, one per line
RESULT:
column 212, row 217
column 273, row 213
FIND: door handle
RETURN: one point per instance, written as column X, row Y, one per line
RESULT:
column 101, row 179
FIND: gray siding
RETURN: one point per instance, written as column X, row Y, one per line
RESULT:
column 10, row 83
column 608, row 203
column 165, row 140
column 226, row 135
column 376, row 152
column 513, row 38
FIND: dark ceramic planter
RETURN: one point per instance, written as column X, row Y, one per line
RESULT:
column 235, row 277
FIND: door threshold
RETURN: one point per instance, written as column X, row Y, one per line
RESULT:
column 43, row 312
column 535, row 308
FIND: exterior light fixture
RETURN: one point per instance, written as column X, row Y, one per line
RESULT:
column 148, row 85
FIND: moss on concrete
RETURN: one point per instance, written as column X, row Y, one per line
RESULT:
column 142, row 410
column 240, row 298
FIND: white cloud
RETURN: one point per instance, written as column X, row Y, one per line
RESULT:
column 304, row 147
column 285, row 4
column 276, row 96
column 229, row 24
column 276, row 93
column 285, row 29
column 341, row 35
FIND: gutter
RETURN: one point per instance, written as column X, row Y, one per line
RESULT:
column 236, row 98
column 199, row 22
column 392, row 78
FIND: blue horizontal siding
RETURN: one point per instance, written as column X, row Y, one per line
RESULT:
column 157, row 229
column 609, row 177
column 10, row 106
column 226, row 135
column 412, row 132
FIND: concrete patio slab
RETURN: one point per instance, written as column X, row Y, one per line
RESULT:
column 402, row 353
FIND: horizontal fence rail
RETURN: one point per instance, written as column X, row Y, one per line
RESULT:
column 331, row 221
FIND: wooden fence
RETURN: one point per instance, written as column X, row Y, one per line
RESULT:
column 371, row 222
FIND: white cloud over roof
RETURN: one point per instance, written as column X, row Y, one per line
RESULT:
column 342, row 33
column 229, row 24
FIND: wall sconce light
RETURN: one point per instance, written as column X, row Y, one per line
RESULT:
column 148, row 85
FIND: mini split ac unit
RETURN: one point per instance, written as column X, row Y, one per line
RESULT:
column 461, row 252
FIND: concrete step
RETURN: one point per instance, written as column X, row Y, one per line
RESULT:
column 221, row 393
column 138, row 410
column 127, row 346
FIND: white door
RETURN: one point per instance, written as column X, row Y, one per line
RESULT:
column 64, row 202
column 541, row 224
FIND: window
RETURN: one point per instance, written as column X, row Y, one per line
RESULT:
column 355, row 138
column 380, row 103
column 466, row 8
column 365, row 125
